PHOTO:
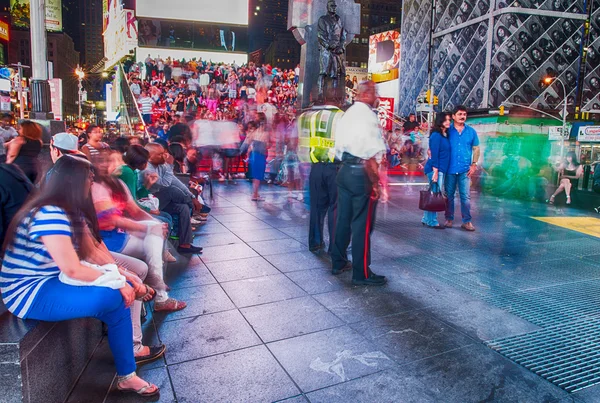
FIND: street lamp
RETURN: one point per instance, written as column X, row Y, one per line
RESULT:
column 548, row 81
column 104, row 74
column 80, row 75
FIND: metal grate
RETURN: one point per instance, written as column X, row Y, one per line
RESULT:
column 568, row 355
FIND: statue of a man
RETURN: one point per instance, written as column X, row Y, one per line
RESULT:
column 332, row 47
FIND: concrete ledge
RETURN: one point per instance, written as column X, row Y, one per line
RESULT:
column 41, row 361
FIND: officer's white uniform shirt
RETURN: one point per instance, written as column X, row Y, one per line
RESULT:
column 359, row 133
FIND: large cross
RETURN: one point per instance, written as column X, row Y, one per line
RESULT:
column 303, row 16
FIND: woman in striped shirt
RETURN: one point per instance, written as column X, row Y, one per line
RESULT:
column 42, row 242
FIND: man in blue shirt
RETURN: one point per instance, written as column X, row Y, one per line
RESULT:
column 464, row 154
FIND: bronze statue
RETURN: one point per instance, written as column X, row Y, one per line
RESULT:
column 332, row 47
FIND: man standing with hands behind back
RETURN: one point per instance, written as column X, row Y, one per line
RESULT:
column 360, row 147
column 464, row 154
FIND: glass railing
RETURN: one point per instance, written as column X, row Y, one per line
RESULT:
column 130, row 118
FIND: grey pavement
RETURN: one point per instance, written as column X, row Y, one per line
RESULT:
column 510, row 313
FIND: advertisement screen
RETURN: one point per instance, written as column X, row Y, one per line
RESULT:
column 223, row 11
column 176, row 54
column 19, row 11
column 120, row 37
column 192, row 35
column 384, row 51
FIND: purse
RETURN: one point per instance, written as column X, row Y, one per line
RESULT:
column 432, row 201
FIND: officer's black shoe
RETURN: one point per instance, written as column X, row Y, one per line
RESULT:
column 374, row 280
column 317, row 248
column 347, row 267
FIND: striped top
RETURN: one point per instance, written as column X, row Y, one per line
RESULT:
column 146, row 104
column 94, row 152
column 27, row 264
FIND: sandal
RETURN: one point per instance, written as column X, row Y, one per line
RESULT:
column 141, row 391
column 170, row 305
column 568, row 199
column 154, row 353
column 148, row 296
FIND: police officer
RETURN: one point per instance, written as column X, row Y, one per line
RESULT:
column 360, row 146
column 316, row 136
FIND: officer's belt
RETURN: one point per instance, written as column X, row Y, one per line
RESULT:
column 350, row 159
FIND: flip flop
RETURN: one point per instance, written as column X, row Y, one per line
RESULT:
column 141, row 391
column 155, row 352
column 144, row 297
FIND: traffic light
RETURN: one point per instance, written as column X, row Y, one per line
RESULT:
column 428, row 97
column 435, row 100
column 501, row 110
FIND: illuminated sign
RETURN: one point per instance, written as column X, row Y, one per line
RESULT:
column 4, row 31
column 384, row 52
column 589, row 134
column 385, row 111
column 19, row 11
column 120, row 37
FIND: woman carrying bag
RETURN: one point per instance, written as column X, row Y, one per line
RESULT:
column 437, row 165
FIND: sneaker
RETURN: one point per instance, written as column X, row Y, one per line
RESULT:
column 195, row 221
column 448, row 224
column 597, row 210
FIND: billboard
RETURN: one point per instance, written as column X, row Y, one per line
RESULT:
column 56, row 97
column 233, row 12
column 192, row 35
column 384, row 51
column 19, row 11
column 590, row 100
column 120, row 36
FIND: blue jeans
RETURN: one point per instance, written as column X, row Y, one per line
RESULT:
column 464, row 189
column 430, row 217
column 57, row 301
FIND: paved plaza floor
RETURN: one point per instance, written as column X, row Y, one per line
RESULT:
column 510, row 313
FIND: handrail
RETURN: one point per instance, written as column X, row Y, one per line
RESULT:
column 136, row 108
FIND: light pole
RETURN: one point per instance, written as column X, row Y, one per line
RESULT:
column 80, row 75
column 548, row 81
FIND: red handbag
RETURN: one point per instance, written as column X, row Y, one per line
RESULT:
column 432, row 201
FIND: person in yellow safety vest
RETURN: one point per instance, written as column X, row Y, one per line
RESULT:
column 316, row 130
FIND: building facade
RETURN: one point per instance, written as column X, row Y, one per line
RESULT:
column 61, row 54
column 283, row 52
column 484, row 56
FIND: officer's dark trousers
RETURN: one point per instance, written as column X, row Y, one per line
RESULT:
column 323, row 201
column 355, row 219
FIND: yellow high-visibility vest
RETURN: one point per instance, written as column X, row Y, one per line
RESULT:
column 316, row 134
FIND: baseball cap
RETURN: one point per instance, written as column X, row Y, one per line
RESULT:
column 65, row 141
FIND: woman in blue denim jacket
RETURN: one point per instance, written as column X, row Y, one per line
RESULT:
column 438, row 163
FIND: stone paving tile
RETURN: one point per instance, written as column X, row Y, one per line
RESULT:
column 241, row 269
column 221, row 211
column 212, row 227
column 300, row 232
column 316, row 281
column 329, row 357
column 200, row 301
column 289, row 318
column 471, row 374
column 279, row 246
column 295, row 399
column 358, row 304
column 241, row 217
column 227, row 252
column 201, row 336
column 245, row 226
column 157, row 376
column 248, row 375
column 261, row 235
column 301, row 260
column 411, row 336
column 589, row 395
column 219, row 239
column 193, row 275
column 261, row 290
